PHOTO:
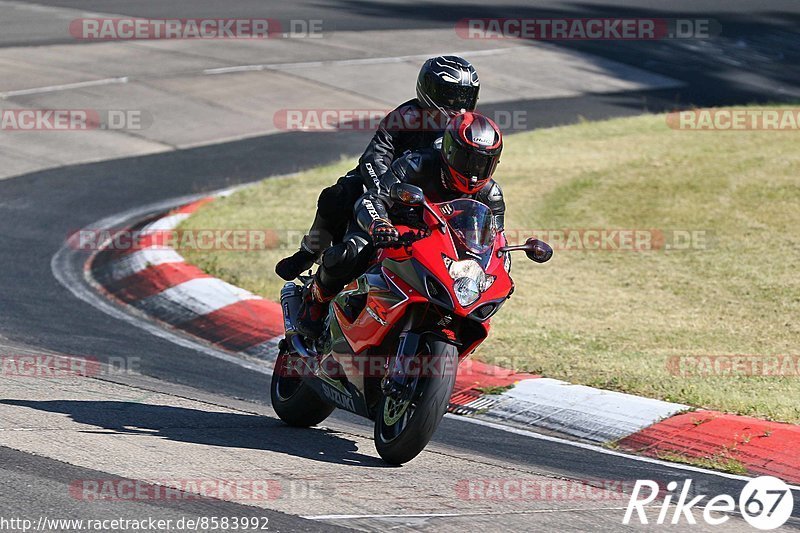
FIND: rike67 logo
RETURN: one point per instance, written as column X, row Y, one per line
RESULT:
column 765, row 503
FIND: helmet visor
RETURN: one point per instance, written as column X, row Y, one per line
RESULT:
column 456, row 97
column 471, row 164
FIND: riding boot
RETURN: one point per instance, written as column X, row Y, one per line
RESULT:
column 314, row 309
column 319, row 238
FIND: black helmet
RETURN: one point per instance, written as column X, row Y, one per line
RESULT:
column 448, row 84
column 471, row 148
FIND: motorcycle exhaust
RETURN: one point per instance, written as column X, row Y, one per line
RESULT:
column 291, row 298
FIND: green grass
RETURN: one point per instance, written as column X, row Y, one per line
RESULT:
column 717, row 462
column 613, row 319
column 499, row 389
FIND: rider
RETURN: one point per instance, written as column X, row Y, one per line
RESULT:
column 461, row 168
column 445, row 86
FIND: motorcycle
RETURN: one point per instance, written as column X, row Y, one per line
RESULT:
column 395, row 336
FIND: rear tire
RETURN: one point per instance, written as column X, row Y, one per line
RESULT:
column 294, row 401
column 401, row 437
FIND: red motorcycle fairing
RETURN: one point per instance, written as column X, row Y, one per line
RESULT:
column 368, row 309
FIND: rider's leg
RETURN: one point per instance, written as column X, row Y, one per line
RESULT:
column 341, row 264
column 334, row 211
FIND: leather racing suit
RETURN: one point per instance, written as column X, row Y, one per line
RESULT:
column 408, row 127
column 345, row 261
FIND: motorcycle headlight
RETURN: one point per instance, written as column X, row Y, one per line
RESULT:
column 467, row 291
column 469, row 268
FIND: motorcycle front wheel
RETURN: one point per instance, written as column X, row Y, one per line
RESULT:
column 403, row 428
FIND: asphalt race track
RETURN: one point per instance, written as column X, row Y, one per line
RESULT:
column 38, row 210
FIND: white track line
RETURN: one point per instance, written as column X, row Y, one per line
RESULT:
column 445, row 515
column 64, row 87
column 276, row 66
column 361, row 61
column 245, row 68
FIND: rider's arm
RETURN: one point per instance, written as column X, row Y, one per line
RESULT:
column 417, row 168
column 371, row 215
column 412, row 167
column 492, row 196
column 369, row 208
column 375, row 164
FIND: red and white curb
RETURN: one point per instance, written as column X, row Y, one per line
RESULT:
column 158, row 282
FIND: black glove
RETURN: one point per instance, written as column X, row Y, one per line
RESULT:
column 383, row 233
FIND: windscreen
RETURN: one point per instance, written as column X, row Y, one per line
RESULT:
column 472, row 225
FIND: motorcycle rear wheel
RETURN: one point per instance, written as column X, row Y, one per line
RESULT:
column 403, row 431
column 294, row 401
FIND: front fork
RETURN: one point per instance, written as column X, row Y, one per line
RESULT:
column 399, row 373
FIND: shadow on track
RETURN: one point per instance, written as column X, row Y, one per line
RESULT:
column 211, row 428
column 751, row 56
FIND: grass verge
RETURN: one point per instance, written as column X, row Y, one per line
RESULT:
column 717, row 462
column 614, row 319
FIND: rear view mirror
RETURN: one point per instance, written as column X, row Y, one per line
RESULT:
column 536, row 250
column 407, row 194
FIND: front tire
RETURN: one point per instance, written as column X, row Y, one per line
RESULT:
column 403, row 431
column 293, row 400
